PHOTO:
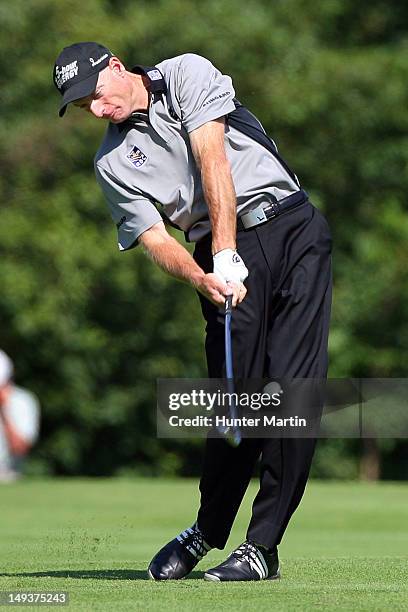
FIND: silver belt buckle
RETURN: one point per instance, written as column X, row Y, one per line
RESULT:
column 256, row 216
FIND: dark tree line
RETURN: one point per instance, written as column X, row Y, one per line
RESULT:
column 90, row 329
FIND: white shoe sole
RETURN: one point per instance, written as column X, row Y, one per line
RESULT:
column 211, row 578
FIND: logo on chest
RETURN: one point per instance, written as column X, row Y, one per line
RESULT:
column 136, row 157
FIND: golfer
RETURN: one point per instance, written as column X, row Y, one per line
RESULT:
column 179, row 146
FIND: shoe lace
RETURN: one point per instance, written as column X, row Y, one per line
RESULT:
column 245, row 552
column 195, row 539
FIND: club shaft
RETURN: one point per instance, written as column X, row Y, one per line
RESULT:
column 229, row 367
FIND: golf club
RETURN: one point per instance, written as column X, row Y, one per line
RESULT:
column 235, row 430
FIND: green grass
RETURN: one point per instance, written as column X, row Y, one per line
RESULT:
column 346, row 548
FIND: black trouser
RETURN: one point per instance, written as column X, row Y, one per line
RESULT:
column 279, row 330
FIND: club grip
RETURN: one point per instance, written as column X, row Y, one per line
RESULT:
column 228, row 304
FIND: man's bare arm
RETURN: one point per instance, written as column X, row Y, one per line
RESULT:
column 207, row 143
column 174, row 259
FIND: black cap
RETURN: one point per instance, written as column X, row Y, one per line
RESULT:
column 76, row 71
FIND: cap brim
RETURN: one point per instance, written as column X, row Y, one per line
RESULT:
column 79, row 90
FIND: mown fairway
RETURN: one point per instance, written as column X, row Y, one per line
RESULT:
column 346, row 549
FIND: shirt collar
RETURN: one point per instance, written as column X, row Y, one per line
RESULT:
column 156, row 85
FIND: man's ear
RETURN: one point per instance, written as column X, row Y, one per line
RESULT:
column 116, row 66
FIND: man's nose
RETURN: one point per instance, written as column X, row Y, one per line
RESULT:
column 96, row 108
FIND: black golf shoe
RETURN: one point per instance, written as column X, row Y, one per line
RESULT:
column 175, row 560
column 247, row 562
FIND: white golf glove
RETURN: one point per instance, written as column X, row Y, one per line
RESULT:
column 229, row 267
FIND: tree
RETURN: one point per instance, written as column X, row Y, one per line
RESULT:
column 89, row 328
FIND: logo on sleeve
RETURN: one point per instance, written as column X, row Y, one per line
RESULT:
column 136, row 157
column 154, row 75
column 219, row 97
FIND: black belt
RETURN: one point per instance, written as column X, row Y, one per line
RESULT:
column 267, row 211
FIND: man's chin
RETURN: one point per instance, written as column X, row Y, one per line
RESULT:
column 119, row 117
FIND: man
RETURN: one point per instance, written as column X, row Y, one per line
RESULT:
column 19, row 422
column 178, row 141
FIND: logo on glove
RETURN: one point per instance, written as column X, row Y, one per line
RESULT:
column 229, row 267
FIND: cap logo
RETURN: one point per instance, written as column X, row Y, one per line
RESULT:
column 64, row 73
column 98, row 61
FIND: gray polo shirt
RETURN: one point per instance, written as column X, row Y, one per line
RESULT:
column 147, row 165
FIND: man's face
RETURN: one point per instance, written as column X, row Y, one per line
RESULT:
column 113, row 96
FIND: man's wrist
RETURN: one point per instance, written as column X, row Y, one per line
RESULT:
column 223, row 252
column 197, row 278
column 218, row 247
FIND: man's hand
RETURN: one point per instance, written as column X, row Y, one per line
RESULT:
column 229, row 267
column 216, row 290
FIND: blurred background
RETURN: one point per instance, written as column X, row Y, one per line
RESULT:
column 90, row 329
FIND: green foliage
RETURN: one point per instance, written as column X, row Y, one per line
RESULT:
column 90, row 328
